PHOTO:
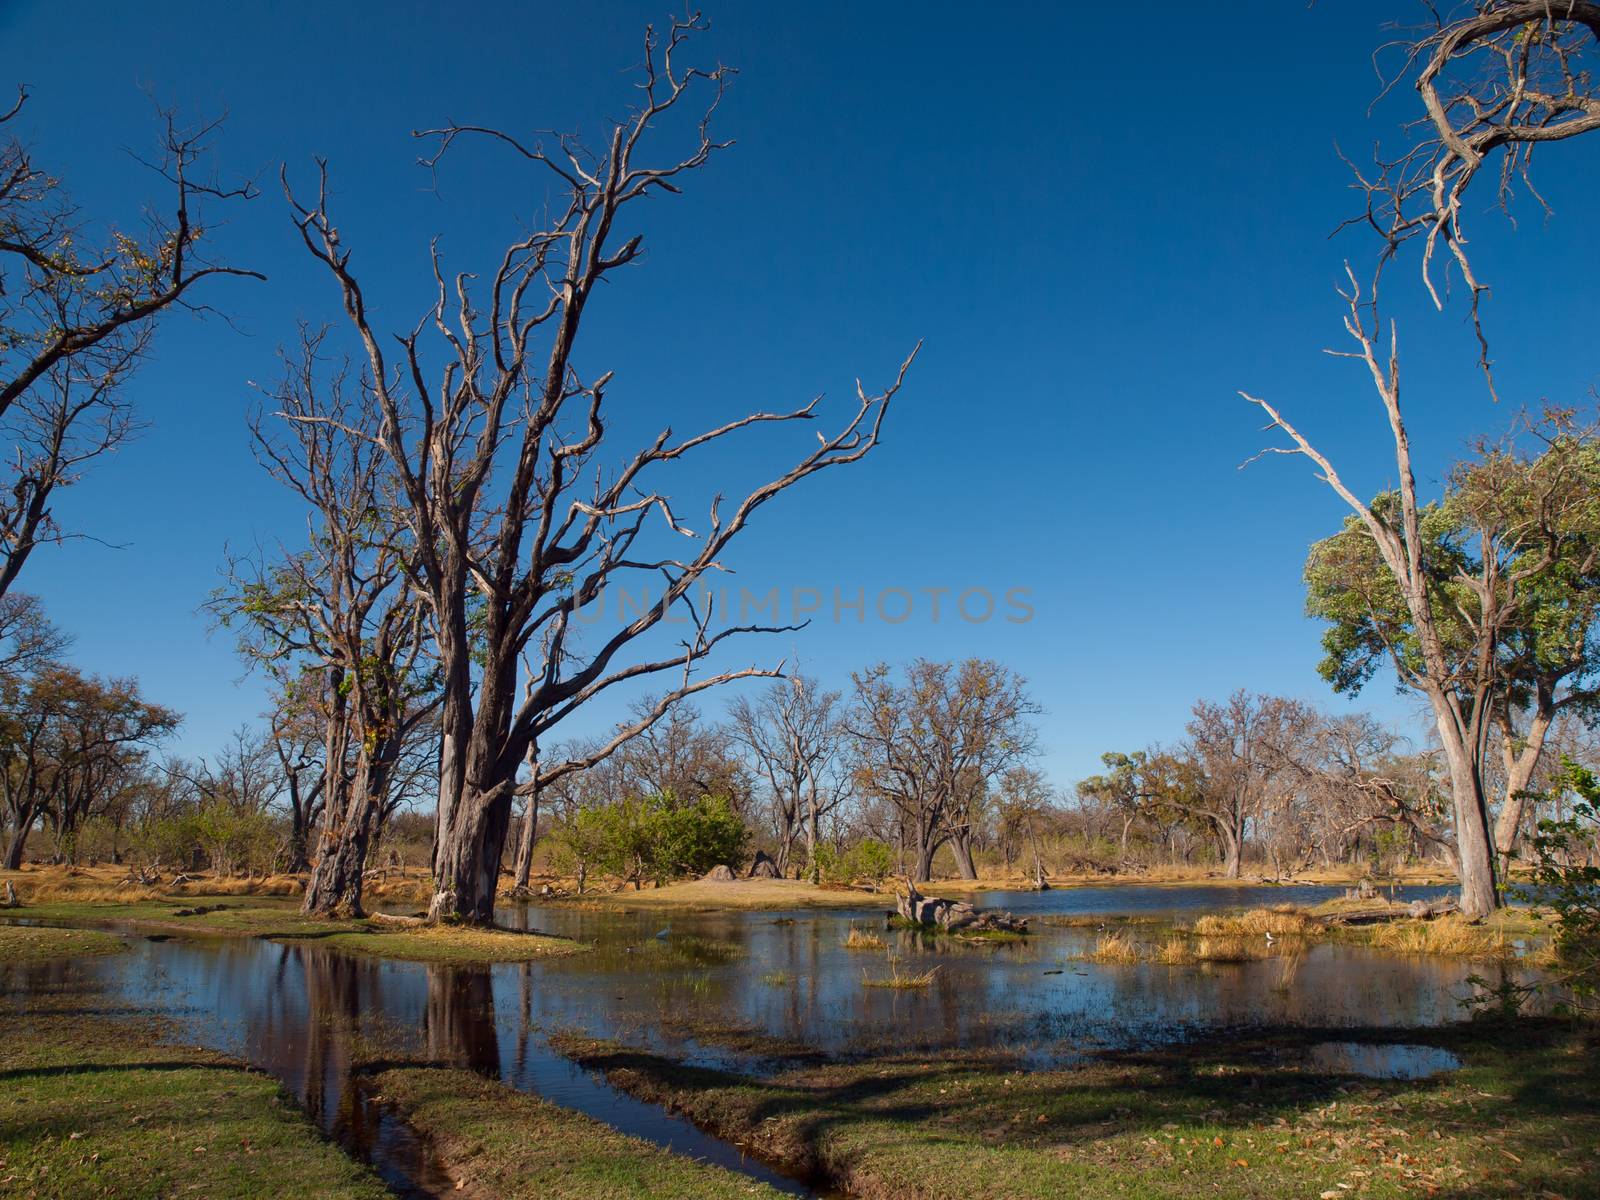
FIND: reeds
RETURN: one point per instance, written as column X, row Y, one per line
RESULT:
column 862, row 939
column 895, row 979
column 1283, row 921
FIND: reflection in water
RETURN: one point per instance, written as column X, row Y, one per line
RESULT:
column 741, row 989
column 1381, row 1061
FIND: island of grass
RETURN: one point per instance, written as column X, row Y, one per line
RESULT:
column 41, row 943
column 280, row 919
column 1257, row 1117
column 493, row 1141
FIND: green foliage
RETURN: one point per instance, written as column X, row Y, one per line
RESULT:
column 1567, row 882
column 653, row 837
column 868, row 859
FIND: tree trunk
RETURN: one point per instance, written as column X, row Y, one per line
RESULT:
column 811, row 842
column 961, row 845
column 334, row 888
column 1519, row 768
column 1474, row 851
column 467, row 853
column 530, row 835
column 926, row 849
column 19, row 839
column 1232, row 851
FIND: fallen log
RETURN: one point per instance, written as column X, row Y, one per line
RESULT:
column 1417, row 910
column 954, row 916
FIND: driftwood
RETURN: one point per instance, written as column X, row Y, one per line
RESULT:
column 954, row 915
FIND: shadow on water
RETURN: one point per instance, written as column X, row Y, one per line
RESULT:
column 744, row 991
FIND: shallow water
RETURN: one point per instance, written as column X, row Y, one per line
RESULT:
column 737, row 989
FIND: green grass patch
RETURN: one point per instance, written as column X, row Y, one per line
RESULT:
column 33, row 943
column 497, row 1142
column 91, row 1105
column 282, row 920
column 1242, row 1119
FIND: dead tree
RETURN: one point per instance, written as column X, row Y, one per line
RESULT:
column 1495, row 84
column 795, row 737
column 337, row 623
column 1460, row 687
column 77, row 314
column 519, row 506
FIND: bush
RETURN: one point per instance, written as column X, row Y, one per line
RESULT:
column 652, row 837
column 867, row 859
column 1567, row 882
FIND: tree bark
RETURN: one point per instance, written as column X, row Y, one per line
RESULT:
column 334, row 888
column 961, row 845
column 19, row 837
column 467, row 854
column 1474, row 850
column 530, row 835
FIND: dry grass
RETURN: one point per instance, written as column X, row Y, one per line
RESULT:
column 704, row 895
column 1115, row 948
column 862, row 939
column 111, row 885
column 1457, row 937
column 1283, row 921
column 895, row 979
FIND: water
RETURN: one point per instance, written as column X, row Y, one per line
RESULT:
column 743, row 990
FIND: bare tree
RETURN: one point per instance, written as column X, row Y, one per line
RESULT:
column 933, row 745
column 337, row 623
column 795, row 737
column 1455, row 618
column 514, row 521
column 78, row 307
column 1497, row 82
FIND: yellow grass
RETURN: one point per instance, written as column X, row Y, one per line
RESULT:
column 862, row 939
column 1115, row 948
column 705, row 895
column 897, row 980
column 1457, row 937
column 1283, row 921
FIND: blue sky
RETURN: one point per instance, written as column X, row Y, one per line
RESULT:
column 1101, row 229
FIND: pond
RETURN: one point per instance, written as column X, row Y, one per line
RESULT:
column 748, row 990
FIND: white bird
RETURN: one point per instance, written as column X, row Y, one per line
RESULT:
column 1269, row 937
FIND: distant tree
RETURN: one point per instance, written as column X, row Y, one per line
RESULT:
column 67, row 742
column 933, row 745
column 78, row 308
column 795, row 737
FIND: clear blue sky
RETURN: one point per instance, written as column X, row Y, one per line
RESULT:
column 1102, row 227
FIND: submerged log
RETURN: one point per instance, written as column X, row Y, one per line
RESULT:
column 954, row 915
column 1417, row 910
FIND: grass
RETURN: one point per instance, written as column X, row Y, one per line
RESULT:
column 26, row 944
column 862, row 939
column 1115, row 948
column 93, row 1105
column 1283, row 921
column 280, row 919
column 902, row 982
column 1235, row 1119
column 777, row 979
column 1459, row 938
column 704, row 895
column 497, row 1142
